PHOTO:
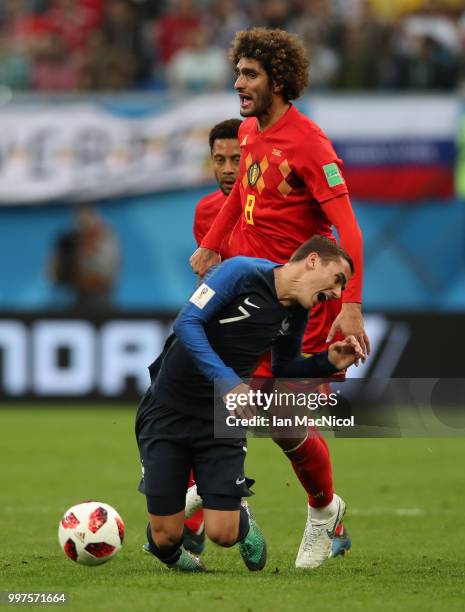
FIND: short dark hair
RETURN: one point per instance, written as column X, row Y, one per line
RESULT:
column 226, row 129
column 281, row 54
column 327, row 249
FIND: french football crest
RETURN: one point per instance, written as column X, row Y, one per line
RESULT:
column 254, row 174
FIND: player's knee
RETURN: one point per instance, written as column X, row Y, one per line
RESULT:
column 223, row 535
column 164, row 537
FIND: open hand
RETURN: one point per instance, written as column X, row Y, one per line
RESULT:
column 345, row 353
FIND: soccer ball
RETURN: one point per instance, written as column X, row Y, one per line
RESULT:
column 91, row 533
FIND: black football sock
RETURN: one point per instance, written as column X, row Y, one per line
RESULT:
column 244, row 524
column 167, row 555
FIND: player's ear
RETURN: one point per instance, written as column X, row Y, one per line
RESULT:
column 277, row 88
column 312, row 259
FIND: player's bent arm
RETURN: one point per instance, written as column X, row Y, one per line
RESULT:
column 341, row 214
column 217, row 290
column 224, row 222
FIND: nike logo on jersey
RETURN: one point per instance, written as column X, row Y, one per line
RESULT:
column 245, row 314
column 247, row 302
column 276, row 152
column 239, row 481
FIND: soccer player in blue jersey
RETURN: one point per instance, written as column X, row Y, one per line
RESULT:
column 243, row 308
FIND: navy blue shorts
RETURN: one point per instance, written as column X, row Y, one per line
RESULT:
column 171, row 444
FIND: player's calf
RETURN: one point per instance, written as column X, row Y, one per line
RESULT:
column 166, row 531
column 223, row 536
column 227, row 528
column 166, row 546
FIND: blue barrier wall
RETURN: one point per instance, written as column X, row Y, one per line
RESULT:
column 414, row 255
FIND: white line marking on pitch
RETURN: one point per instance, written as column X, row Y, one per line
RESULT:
column 386, row 511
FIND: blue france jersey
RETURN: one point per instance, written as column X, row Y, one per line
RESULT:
column 230, row 321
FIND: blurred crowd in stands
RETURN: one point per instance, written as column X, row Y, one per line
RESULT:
column 97, row 45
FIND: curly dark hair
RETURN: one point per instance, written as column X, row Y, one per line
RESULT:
column 281, row 54
column 226, row 129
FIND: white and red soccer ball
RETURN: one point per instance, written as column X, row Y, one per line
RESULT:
column 91, row 533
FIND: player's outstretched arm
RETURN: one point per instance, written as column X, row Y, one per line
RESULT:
column 350, row 320
column 207, row 255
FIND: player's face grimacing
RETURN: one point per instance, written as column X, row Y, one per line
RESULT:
column 253, row 86
column 226, row 156
column 321, row 280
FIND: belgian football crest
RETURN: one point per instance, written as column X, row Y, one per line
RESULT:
column 254, row 174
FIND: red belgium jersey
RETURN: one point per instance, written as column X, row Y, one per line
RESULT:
column 205, row 213
column 290, row 187
column 283, row 181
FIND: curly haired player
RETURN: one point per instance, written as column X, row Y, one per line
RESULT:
column 290, row 186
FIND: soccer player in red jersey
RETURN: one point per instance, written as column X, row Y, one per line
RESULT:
column 225, row 154
column 290, row 187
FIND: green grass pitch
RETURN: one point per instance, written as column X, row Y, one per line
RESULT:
column 405, row 502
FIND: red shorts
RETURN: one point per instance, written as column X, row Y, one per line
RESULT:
column 314, row 340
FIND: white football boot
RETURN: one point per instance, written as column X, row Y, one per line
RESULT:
column 319, row 533
column 193, row 501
